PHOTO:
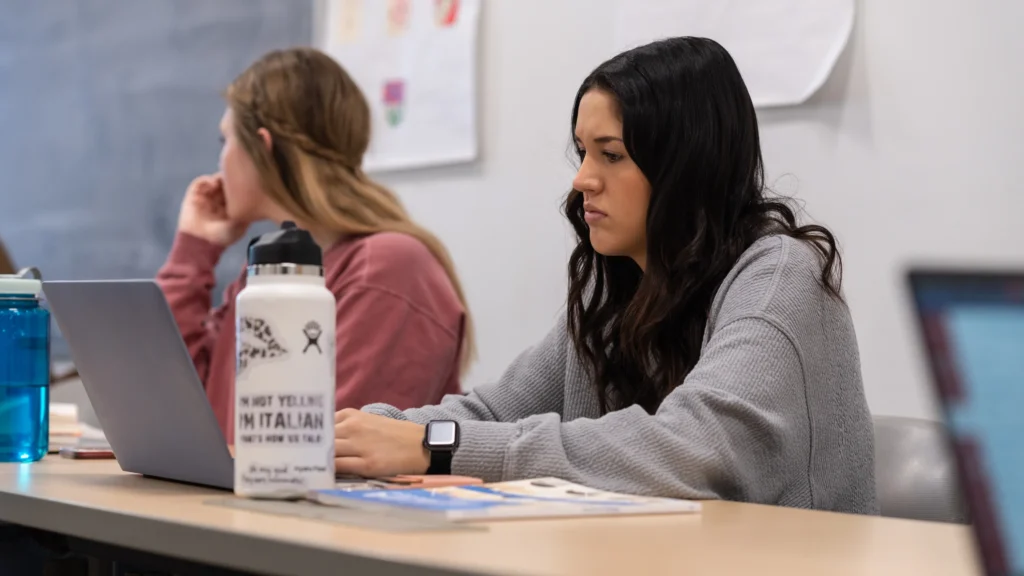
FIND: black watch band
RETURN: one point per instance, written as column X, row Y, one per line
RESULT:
column 440, row 463
column 441, row 440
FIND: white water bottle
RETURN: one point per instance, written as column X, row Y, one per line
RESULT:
column 284, row 370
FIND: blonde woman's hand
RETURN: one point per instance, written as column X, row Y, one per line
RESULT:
column 204, row 212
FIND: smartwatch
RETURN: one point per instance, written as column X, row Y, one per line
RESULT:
column 441, row 440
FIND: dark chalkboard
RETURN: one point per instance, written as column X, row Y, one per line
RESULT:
column 108, row 109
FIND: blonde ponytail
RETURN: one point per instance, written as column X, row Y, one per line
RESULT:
column 319, row 122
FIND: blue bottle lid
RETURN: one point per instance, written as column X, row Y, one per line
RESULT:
column 21, row 284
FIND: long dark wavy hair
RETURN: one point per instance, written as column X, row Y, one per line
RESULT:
column 690, row 126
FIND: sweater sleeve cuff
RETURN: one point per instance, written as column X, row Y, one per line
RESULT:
column 482, row 449
column 189, row 249
column 381, row 409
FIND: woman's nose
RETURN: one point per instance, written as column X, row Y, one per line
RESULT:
column 586, row 180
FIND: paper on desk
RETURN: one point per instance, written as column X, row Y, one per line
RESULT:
column 67, row 430
column 785, row 49
column 515, row 499
column 90, row 432
column 346, row 516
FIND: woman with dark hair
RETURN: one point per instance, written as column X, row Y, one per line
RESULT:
column 706, row 352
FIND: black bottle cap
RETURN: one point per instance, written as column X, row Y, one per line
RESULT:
column 289, row 245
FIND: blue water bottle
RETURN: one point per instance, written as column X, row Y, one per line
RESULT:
column 24, row 369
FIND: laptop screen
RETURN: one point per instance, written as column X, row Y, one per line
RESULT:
column 973, row 327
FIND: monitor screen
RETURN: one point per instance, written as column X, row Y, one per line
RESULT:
column 973, row 327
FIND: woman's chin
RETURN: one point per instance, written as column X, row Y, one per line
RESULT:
column 235, row 214
column 603, row 245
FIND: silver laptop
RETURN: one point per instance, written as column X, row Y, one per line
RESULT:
column 141, row 381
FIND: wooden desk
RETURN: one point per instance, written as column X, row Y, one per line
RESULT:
column 95, row 500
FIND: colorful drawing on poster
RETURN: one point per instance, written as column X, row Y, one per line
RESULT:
column 446, row 12
column 394, row 101
column 349, row 22
column 421, row 84
column 398, row 16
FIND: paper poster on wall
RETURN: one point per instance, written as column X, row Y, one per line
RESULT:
column 785, row 49
column 415, row 60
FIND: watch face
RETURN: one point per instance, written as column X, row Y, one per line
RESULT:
column 442, row 433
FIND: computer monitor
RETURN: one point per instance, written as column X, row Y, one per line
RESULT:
column 972, row 327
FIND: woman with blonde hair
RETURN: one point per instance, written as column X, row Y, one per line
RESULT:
column 294, row 134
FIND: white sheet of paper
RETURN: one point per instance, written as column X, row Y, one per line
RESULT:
column 785, row 49
column 415, row 61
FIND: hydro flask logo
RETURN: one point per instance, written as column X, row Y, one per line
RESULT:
column 312, row 332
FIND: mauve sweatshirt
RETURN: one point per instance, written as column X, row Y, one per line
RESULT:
column 399, row 321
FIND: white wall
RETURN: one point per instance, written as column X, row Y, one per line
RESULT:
column 911, row 152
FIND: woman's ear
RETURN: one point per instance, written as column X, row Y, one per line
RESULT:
column 268, row 141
